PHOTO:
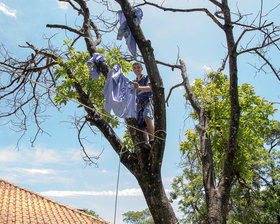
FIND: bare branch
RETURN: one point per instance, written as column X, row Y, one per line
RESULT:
column 216, row 3
column 250, row 30
column 191, row 97
column 170, row 91
column 276, row 73
column 222, row 67
column 65, row 28
column 208, row 13
column 72, row 5
column 258, row 47
column 87, row 158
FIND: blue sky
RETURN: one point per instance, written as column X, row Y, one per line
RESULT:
column 54, row 166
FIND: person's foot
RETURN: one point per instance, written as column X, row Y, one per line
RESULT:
column 147, row 146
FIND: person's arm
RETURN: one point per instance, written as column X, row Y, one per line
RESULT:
column 146, row 88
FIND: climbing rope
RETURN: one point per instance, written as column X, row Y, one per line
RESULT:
column 117, row 190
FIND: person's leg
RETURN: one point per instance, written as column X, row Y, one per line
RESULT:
column 145, row 135
column 150, row 128
column 148, row 117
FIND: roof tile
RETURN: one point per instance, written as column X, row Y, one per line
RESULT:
column 21, row 206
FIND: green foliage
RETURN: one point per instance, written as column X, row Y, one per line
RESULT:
column 76, row 63
column 127, row 141
column 91, row 212
column 139, row 217
column 253, row 161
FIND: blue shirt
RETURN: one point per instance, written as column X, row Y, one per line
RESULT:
column 142, row 96
column 120, row 94
column 125, row 32
column 94, row 71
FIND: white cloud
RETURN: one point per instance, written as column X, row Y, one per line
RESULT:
column 33, row 171
column 42, row 155
column 168, row 179
column 129, row 192
column 126, row 192
column 104, row 171
column 193, row 82
column 6, row 10
column 62, row 5
column 39, row 155
column 8, row 155
column 207, row 68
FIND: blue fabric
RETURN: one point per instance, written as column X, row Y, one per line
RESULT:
column 125, row 32
column 148, row 110
column 144, row 109
column 142, row 96
column 94, row 71
column 120, row 94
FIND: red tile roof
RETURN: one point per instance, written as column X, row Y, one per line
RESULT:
column 21, row 206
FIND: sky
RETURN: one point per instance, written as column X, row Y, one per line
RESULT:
column 54, row 166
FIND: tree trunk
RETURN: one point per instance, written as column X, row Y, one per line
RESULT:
column 154, row 193
column 215, row 206
column 213, row 196
column 217, row 197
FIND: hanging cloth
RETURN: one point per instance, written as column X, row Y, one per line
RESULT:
column 125, row 32
column 94, row 72
column 120, row 94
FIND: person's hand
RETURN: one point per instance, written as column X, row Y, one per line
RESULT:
column 136, row 85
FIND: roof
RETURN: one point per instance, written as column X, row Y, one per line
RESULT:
column 21, row 206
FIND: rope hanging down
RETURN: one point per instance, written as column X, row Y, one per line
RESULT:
column 81, row 104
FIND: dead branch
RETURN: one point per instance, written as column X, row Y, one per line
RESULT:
column 206, row 11
column 91, row 160
column 250, row 30
column 276, row 73
column 65, row 28
column 222, row 67
column 191, row 97
column 170, row 91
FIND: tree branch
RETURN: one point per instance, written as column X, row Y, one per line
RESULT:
column 206, row 11
column 217, row 3
column 269, row 64
column 170, row 91
column 249, row 30
column 65, row 28
column 191, row 97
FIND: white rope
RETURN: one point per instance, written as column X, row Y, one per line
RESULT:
column 90, row 108
column 117, row 191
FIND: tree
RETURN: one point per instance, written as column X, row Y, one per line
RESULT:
column 90, row 212
column 253, row 162
column 217, row 188
column 66, row 71
column 139, row 217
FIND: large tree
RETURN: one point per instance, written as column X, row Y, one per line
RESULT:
column 144, row 165
column 138, row 217
column 65, row 70
column 235, row 27
column 255, row 163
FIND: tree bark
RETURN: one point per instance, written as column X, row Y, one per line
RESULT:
column 158, row 203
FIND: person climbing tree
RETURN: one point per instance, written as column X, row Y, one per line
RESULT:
column 144, row 104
